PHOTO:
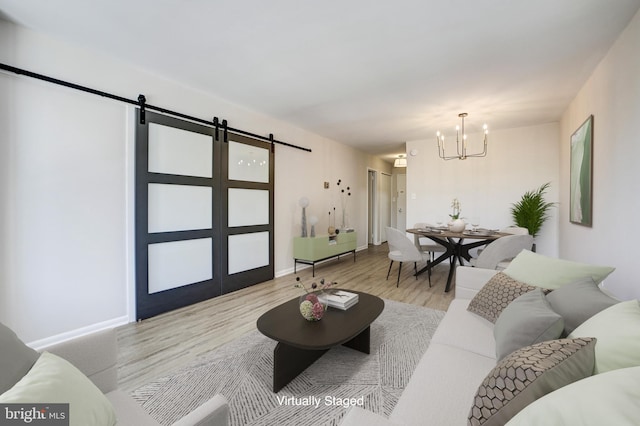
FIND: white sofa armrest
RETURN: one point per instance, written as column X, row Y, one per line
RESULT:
column 470, row 280
column 95, row 355
column 357, row 416
column 214, row 412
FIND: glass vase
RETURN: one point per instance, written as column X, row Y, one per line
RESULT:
column 312, row 308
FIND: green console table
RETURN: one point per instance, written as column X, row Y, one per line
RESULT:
column 310, row 250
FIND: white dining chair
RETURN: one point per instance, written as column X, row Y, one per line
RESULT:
column 401, row 249
column 426, row 244
column 499, row 253
column 515, row 230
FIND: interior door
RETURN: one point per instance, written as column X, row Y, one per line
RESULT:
column 371, row 207
column 401, row 201
column 385, row 204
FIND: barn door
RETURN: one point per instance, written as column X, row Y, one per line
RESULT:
column 247, row 213
column 204, row 224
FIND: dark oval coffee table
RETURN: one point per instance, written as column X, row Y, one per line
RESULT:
column 301, row 342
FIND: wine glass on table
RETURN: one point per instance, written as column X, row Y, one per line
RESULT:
column 475, row 223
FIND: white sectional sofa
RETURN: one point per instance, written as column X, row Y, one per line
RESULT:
column 462, row 352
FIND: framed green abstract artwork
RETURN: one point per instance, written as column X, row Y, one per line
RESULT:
column 581, row 175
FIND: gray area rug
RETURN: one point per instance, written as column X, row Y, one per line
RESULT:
column 242, row 371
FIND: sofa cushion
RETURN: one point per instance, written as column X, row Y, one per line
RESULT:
column 441, row 387
column 579, row 301
column 527, row 374
column 54, row 380
column 16, row 358
column 462, row 329
column 604, row 399
column 617, row 329
column 548, row 272
column 496, row 295
column 527, row 320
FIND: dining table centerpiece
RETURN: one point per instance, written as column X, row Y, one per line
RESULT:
column 457, row 223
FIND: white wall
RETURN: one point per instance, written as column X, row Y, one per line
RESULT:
column 518, row 160
column 66, row 259
column 612, row 95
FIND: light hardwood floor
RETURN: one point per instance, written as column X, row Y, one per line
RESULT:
column 157, row 346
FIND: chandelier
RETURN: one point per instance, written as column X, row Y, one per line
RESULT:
column 461, row 148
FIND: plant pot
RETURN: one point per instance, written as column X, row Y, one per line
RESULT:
column 311, row 307
column 457, row 225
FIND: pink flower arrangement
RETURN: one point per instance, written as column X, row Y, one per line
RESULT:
column 311, row 307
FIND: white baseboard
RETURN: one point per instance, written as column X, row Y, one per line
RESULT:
column 63, row 337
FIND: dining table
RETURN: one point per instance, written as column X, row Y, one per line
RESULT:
column 456, row 249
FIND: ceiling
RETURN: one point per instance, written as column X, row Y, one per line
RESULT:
column 368, row 74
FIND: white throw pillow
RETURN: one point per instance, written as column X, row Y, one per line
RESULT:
column 611, row 398
column 617, row 329
column 54, row 380
column 549, row 272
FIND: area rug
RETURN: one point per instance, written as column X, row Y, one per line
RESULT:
column 242, row 371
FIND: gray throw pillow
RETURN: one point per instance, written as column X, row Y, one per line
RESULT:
column 16, row 358
column 579, row 301
column 528, row 374
column 527, row 320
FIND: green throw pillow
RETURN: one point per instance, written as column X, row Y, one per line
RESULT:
column 548, row 272
column 54, row 380
column 605, row 399
column 617, row 329
column 16, row 358
column 527, row 320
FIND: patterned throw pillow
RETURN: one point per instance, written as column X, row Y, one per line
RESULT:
column 528, row 374
column 496, row 295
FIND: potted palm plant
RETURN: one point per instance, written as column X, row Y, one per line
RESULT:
column 532, row 210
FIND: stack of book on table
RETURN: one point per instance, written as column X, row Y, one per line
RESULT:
column 341, row 299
